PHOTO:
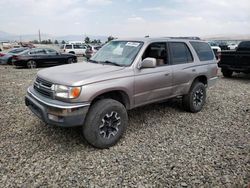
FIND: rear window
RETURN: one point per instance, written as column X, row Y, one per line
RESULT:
column 203, row 51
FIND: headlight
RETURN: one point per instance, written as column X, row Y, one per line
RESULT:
column 66, row 92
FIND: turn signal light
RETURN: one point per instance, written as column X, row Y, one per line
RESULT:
column 75, row 92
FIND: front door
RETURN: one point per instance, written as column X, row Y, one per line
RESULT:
column 154, row 84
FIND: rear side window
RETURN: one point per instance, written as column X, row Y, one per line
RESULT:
column 180, row 53
column 203, row 51
column 68, row 46
column 37, row 52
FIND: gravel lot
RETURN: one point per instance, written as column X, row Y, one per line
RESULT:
column 164, row 146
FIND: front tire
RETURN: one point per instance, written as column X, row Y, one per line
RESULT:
column 105, row 123
column 31, row 64
column 227, row 73
column 196, row 98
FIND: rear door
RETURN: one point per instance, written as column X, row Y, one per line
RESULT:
column 79, row 49
column 184, row 69
column 39, row 55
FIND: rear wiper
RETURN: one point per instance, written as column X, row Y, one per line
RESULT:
column 112, row 63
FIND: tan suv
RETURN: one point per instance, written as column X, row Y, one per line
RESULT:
column 122, row 75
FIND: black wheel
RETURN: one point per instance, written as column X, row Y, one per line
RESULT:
column 227, row 73
column 196, row 98
column 70, row 60
column 31, row 64
column 105, row 123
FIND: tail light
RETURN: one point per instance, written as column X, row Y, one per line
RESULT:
column 1, row 54
column 15, row 57
column 219, row 56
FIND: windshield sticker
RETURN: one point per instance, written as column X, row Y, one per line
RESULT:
column 134, row 44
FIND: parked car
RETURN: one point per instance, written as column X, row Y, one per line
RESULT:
column 39, row 57
column 91, row 50
column 6, row 58
column 77, row 49
column 236, row 61
column 97, row 94
column 216, row 49
column 232, row 46
column 223, row 45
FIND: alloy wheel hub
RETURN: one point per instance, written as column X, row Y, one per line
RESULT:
column 110, row 125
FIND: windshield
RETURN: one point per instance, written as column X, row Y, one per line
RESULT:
column 121, row 53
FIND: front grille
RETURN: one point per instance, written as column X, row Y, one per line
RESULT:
column 43, row 87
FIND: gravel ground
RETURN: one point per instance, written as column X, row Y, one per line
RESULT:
column 164, row 146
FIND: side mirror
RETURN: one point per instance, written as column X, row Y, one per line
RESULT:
column 148, row 63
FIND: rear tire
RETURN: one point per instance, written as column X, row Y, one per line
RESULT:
column 196, row 98
column 105, row 123
column 31, row 64
column 70, row 61
column 227, row 73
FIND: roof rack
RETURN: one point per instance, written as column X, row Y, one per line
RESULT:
column 190, row 38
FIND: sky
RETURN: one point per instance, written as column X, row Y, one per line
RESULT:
column 126, row 18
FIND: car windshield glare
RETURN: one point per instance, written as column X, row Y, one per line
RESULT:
column 121, row 53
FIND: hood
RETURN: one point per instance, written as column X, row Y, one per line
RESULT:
column 78, row 74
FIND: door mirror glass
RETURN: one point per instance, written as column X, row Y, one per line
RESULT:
column 148, row 62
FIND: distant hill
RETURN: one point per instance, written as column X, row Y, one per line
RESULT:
column 4, row 36
column 228, row 37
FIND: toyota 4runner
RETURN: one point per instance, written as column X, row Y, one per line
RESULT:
column 122, row 75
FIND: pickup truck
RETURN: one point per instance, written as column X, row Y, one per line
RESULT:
column 122, row 75
column 236, row 61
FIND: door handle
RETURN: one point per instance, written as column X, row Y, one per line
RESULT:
column 166, row 74
column 193, row 70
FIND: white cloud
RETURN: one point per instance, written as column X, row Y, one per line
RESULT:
column 135, row 19
column 98, row 2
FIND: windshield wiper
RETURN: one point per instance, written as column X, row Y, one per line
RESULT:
column 112, row 63
column 93, row 61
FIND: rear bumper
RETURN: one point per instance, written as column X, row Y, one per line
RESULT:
column 56, row 112
column 235, row 68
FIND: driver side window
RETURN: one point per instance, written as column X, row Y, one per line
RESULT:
column 157, row 50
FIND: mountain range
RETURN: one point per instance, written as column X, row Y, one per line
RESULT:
column 4, row 36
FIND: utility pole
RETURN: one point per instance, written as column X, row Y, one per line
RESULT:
column 39, row 35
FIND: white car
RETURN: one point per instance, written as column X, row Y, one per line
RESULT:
column 232, row 46
column 216, row 49
column 77, row 49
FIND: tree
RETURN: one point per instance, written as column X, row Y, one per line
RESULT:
column 55, row 42
column 110, row 38
column 35, row 42
column 94, row 41
column 49, row 41
column 63, row 42
column 87, row 40
column 99, row 41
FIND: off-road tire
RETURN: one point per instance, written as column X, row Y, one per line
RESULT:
column 227, row 73
column 94, row 130
column 196, row 98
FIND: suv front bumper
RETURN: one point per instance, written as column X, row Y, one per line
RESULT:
column 55, row 112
